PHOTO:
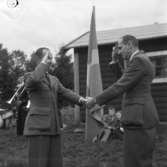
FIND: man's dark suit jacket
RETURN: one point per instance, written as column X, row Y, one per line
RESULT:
column 44, row 115
column 138, row 108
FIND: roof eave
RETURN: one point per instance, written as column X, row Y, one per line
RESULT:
column 108, row 43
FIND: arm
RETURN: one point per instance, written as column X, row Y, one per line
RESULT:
column 39, row 72
column 70, row 95
column 35, row 77
column 129, row 79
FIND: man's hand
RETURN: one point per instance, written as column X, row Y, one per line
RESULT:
column 82, row 101
column 90, row 102
column 47, row 59
column 115, row 54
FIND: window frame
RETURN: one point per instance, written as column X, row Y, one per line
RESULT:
column 157, row 54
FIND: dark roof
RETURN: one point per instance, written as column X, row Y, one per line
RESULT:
column 111, row 36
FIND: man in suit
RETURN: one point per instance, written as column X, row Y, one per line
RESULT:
column 42, row 125
column 139, row 114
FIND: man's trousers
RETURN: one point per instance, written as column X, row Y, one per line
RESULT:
column 44, row 151
column 138, row 147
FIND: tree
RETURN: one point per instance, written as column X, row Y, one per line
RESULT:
column 11, row 68
column 64, row 72
column 5, row 82
column 18, row 64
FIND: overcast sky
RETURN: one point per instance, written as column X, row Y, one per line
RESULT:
column 52, row 23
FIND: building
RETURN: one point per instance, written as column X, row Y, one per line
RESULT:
column 152, row 39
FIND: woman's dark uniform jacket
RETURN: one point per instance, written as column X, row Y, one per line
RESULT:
column 138, row 108
column 44, row 115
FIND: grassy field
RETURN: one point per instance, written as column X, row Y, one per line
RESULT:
column 76, row 152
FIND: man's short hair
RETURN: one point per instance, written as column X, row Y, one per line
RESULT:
column 130, row 38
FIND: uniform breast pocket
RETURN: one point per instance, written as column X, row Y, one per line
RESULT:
column 39, row 121
column 132, row 113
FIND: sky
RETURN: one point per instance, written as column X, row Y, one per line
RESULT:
column 53, row 23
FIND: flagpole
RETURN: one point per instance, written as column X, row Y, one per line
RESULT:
column 94, row 81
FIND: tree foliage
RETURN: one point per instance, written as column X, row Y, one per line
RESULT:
column 12, row 66
column 64, row 72
column 5, row 71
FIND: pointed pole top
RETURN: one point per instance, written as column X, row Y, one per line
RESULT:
column 93, row 9
column 93, row 12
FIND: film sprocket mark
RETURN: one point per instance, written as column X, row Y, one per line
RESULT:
column 12, row 3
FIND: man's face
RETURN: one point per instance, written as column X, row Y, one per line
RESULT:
column 124, row 49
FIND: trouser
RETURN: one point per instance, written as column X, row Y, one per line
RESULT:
column 44, row 151
column 138, row 147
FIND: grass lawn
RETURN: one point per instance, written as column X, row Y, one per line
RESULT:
column 76, row 152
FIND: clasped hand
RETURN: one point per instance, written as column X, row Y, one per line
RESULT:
column 88, row 101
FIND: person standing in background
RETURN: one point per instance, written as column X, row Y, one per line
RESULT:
column 21, row 112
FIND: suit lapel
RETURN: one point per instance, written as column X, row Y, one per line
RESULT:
column 130, row 61
column 48, row 80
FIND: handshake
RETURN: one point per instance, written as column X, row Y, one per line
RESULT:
column 89, row 102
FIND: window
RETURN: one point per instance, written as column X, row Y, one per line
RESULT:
column 160, row 63
column 159, row 59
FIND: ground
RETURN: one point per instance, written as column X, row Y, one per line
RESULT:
column 76, row 152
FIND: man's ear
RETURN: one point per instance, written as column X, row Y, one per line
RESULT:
column 131, row 45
